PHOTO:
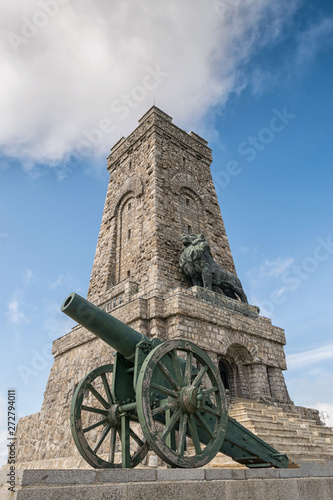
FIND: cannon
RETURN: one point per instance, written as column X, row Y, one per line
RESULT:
column 162, row 396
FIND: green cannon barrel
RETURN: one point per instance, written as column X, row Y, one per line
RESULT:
column 112, row 331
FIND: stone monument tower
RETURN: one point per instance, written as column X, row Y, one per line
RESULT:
column 160, row 188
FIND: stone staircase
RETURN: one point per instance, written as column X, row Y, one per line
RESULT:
column 302, row 439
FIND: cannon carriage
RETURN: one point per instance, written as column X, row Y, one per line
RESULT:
column 164, row 396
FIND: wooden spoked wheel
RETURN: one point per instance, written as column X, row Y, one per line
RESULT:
column 181, row 404
column 101, row 433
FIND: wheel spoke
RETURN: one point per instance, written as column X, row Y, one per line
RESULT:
column 136, row 437
column 197, row 381
column 194, row 434
column 97, row 424
column 168, row 428
column 98, row 396
column 182, row 433
column 203, row 424
column 176, row 367
column 107, row 389
column 112, row 444
column 105, row 433
column 165, row 407
column 188, row 368
column 119, row 433
column 164, row 390
column 170, row 378
column 209, row 391
column 212, row 411
column 95, row 410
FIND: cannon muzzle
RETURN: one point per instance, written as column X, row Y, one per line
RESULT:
column 121, row 337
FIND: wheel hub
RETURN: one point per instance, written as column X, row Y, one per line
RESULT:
column 191, row 399
column 113, row 416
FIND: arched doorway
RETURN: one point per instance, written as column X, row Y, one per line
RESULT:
column 224, row 374
column 235, row 371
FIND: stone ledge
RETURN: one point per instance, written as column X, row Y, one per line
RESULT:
column 40, row 477
column 262, row 473
column 172, row 484
column 218, row 474
column 219, row 300
column 181, row 474
column 126, row 475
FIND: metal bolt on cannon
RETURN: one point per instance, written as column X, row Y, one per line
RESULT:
column 164, row 396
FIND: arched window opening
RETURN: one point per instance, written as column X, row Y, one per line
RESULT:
column 126, row 233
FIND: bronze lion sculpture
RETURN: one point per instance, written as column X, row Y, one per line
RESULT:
column 197, row 262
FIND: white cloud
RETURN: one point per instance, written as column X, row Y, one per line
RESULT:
column 65, row 281
column 311, row 40
column 316, row 36
column 275, row 267
column 307, row 358
column 250, row 250
column 269, row 269
column 60, row 80
column 29, row 275
column 326, row 412
column 14, row 312
column 311, row 386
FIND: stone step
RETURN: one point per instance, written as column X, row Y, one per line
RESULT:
column 285, row 431
column 285, row 423
column 291, row 447
column 283, row 439
column 288, row 433
column 269, row 424
column 271, row 412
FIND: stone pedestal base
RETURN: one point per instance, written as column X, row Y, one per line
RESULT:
column 310, row 482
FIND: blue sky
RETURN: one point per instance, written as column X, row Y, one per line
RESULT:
column 253, row 78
